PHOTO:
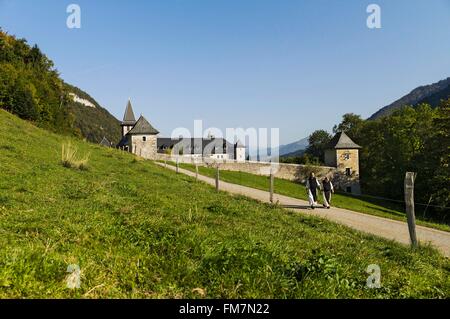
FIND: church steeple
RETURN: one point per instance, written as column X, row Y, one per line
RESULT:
column 128, row 119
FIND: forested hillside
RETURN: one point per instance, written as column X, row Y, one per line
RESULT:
column 31, row 88
column 93, row 123
column 414, row 139
column 428, row 94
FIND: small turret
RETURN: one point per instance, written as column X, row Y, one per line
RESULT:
column 343, row 154
column 128, row 119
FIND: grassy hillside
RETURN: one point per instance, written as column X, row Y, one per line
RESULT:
column 362, row 204
column 138, row 230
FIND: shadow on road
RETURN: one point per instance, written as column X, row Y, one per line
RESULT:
column 302, row 207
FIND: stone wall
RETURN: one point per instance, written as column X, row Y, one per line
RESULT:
column 290, row 172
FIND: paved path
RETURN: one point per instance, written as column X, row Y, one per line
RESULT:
column 379, row 226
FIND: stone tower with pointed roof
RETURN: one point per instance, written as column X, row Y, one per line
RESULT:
column 128, row 119
column 343, row 154
column 138, row 137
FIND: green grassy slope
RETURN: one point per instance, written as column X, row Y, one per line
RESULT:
column 138, row 230
column 367, row 205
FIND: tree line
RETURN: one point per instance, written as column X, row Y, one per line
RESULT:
column 414, row 139
column 30, row 86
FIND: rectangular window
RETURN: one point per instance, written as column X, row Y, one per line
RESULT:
column 349, row 189
column 348, row 172
column 144, row 138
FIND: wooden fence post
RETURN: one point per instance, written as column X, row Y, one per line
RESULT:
column 217, row 178
column 409, row 200
column 196, row 171
column 178, row 166
column 271, row 185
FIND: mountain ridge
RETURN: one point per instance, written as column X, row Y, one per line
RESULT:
column 431, row 94
column 294, row 147
column 93, row 122
column 297, row 147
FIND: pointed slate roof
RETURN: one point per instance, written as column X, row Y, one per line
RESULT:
column 142, row 126
column 197, row 145
column 342, row 141
column 128, row 117
column 105, row 142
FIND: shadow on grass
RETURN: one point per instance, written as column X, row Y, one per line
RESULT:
column 395, row 208
column 302, row 207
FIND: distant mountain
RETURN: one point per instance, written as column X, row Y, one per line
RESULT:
column 291, row 149
column 294, row 147
column 294, row 154
column 431, row 94
column 93, row 121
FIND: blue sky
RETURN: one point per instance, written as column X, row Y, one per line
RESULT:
column 294, row 65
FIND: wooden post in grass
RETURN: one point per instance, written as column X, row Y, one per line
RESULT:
column 217, row 178
column 272, row 178
column 196, row 171
column 409, row 201
column 178, row 165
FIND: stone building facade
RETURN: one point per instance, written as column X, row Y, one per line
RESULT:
column 141, row 138
column 343, row 154
column 138, row 137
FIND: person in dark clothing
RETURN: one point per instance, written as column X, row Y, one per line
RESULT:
column 312, row 184
column 328, row 189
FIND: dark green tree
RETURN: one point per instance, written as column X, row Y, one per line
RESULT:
column 432, row 164
column 30, row 87
column 351, row 124
column 318, row 141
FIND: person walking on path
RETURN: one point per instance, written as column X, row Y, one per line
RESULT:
column 328, row 189
column 312, row 184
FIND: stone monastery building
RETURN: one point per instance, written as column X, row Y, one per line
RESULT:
column 141, row 138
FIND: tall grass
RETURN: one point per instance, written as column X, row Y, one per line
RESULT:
column 70, row 159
